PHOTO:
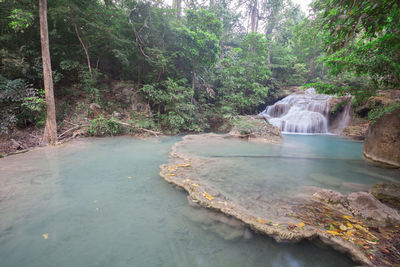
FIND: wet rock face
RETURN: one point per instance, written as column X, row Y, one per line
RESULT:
column 361, row 204
column 382, row 142
column 357, row 131
column 387, row 193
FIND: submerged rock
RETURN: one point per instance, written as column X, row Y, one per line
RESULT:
column 354, row 187
column 388, row 193
column 382, row 142
column 326, row 179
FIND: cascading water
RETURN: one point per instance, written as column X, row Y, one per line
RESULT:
column 300, row 113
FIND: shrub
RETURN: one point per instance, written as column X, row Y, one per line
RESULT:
column 33, row 110
column 102, row 126
column 379, row 111
column 12, row 93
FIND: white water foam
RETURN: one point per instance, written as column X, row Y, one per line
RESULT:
column 300, row 113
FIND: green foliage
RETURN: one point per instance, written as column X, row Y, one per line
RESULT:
column 379, row 111
column 199, row 69
column 199, row 39
column 89, row 84
column 242, row 77
column 33, row 110
column 339, row 107
column 328, row 89
column 103, row 126
column 172, row 101
column 143, row 121
column 12, row 93
column 20, row 19
column 246, row 126
column 363, row 37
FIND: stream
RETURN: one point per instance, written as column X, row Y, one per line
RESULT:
column 101, row 202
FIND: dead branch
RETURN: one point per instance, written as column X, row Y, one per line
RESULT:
column 70, row 123
column 18, row 144
column 61, row 136
column 138, row 128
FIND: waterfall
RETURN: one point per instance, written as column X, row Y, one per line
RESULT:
column 300, row 113
column 345, row 118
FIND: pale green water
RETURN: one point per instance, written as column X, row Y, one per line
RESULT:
column 94, row 215
column 242, row 169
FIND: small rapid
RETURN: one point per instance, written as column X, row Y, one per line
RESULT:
column 300, row 113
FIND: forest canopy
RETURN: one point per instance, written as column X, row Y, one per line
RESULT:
column 194, row 63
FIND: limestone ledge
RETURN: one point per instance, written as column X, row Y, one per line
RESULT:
column 203, row 195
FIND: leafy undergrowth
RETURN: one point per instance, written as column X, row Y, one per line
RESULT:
column 380, row 244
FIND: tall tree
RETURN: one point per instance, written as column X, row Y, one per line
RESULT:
column 50, row 130
column 364, row 38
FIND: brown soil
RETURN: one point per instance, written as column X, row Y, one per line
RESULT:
column 17, row 141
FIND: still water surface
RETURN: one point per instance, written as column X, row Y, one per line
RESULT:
column 101, row 202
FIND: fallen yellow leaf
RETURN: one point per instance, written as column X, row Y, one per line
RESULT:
column 171, row 174
column 333, row 232
column 261, row 220
column 350, row 225
column 300, row 224
column 348, row 233
column 208, row 196
column 185, row 165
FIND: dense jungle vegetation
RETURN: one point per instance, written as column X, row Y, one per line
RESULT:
column 190, row 65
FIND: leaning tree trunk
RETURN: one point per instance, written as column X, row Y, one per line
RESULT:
column 50, row 130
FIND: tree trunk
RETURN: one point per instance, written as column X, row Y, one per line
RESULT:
column 254, row 16
column 84, row 48
column 177, row 4
column 193, row 83
column 50, row 130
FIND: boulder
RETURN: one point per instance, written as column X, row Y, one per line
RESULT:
column 331, row 197
column 382, row 141
column 356, row 132
column 95, row 110
column 366, row 206
column 117, row 115
column 387, row 193
column 361, row 204
column 253, row 127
